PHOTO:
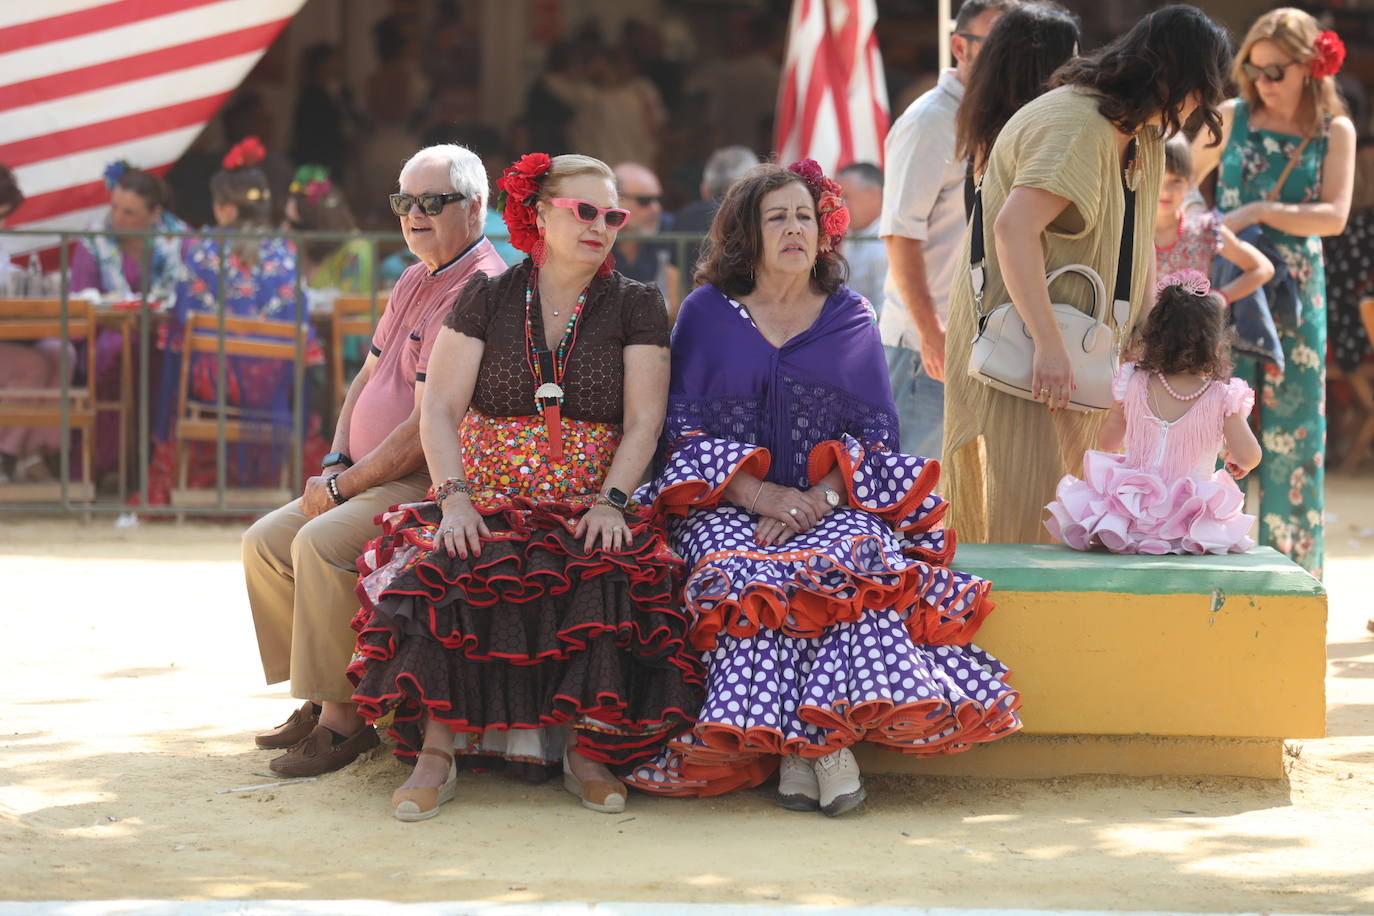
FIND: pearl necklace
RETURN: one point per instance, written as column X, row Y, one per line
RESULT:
column 1182, row 397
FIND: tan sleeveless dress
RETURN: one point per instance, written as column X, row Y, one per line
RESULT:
column 1004, row 455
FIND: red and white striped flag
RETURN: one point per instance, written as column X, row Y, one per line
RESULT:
column 832, row 104
column 86, row 82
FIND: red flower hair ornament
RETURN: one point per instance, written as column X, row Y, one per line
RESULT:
column 519, row 185
column 831, row 212
column 246, row 153
column 1328, row 54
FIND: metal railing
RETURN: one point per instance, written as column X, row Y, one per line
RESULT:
column 140, row 376
column 683, row 244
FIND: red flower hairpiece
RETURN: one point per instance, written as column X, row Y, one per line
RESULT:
column 830, row 207
column 519, row 186
column 246, row 153
column 1328, row 54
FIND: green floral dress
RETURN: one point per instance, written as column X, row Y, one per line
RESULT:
column 1292, row 404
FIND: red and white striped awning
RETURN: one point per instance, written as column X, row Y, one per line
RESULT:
column 86, row 82
column 832, row 102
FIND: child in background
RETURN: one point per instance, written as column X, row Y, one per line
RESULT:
column 1176, row 406
column 1188, row 239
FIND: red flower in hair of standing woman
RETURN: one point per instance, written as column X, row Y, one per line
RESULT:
column 1328, row 54
column 246, row 153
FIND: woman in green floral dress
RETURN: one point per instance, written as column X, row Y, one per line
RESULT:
column 1285, row 72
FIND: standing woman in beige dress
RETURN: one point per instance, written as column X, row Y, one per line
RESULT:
column 1054, row 194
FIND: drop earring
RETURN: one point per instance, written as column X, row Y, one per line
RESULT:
column 539, row 252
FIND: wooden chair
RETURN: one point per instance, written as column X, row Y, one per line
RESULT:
column 1361, row 382
column 352, row 318
column 41, row 408
column 198, row 421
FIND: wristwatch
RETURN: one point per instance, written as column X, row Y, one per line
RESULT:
column 614, row 498
column 831, row 497
column 334, row 458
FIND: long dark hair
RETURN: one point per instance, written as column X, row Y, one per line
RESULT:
column 1154, row 69
column 1185, row 333
column 734, row 246
column 1028, row 44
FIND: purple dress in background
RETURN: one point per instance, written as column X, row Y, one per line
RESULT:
column 854, row 631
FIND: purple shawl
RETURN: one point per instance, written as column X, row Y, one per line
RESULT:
column 730, row 383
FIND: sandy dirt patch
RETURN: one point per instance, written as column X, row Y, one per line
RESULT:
column 132, row 688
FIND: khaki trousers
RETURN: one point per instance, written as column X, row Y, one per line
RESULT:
column 301, row 573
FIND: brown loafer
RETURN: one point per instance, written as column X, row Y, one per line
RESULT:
column 292, row 730
column 316, row 753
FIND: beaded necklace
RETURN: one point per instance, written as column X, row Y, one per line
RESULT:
column 548, row 393
column 1182, row 397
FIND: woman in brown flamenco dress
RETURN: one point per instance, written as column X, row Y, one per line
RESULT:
column 530, row 612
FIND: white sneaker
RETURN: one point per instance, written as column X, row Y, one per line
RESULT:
column 798, row 787
column 841, row 786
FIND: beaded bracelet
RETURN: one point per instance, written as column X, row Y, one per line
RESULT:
column 449, row 487
column 604, row 500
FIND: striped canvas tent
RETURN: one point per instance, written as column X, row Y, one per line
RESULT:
column 86, row 82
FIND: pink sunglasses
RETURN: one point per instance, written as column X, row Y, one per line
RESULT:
column 587, row 212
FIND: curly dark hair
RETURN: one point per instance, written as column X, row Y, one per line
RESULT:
column 1155, row 68
column 734, row 246
column 1026, row 47
column 1185, row 334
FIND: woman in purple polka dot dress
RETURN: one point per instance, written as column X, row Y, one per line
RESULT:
column 818, row 584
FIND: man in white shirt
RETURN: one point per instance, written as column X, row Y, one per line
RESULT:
column 922, row 224
column 862, row 184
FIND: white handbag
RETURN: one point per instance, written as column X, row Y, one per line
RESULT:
column 1003, row 350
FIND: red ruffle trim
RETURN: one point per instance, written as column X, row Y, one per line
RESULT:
column 718, row 758
column 810, row 611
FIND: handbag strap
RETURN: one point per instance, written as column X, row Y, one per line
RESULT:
column 969, row 189
column 1292, row 161
column 1121, row 293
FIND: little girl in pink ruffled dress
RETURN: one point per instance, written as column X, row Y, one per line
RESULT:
column 1175, row 408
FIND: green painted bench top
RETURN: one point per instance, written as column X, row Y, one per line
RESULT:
column 1055, row 568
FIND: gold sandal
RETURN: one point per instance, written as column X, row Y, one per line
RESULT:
column 422, row 803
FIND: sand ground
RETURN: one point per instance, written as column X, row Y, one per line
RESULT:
column 131, row 689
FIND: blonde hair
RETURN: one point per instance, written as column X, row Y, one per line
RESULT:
column 572, row 165
column 1295, row 32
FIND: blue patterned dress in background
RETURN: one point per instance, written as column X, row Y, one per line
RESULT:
column 1292, row 403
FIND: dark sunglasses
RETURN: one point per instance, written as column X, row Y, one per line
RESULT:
column 970, row 37
column 646, row 200
column 1273, row 72
column 430, row 204
column 587, row 212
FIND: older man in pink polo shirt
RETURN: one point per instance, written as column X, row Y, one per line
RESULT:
column 299, row 560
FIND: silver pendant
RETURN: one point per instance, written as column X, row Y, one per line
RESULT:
column 548, row 390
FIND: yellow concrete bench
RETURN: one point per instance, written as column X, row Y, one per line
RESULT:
column 1145, row 665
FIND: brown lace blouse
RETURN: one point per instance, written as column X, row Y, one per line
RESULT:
column 619, row 312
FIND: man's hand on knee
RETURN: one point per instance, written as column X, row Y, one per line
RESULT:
column 316, row 499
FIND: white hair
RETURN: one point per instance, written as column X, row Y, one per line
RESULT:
column 465, row 171
column 726, row 166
